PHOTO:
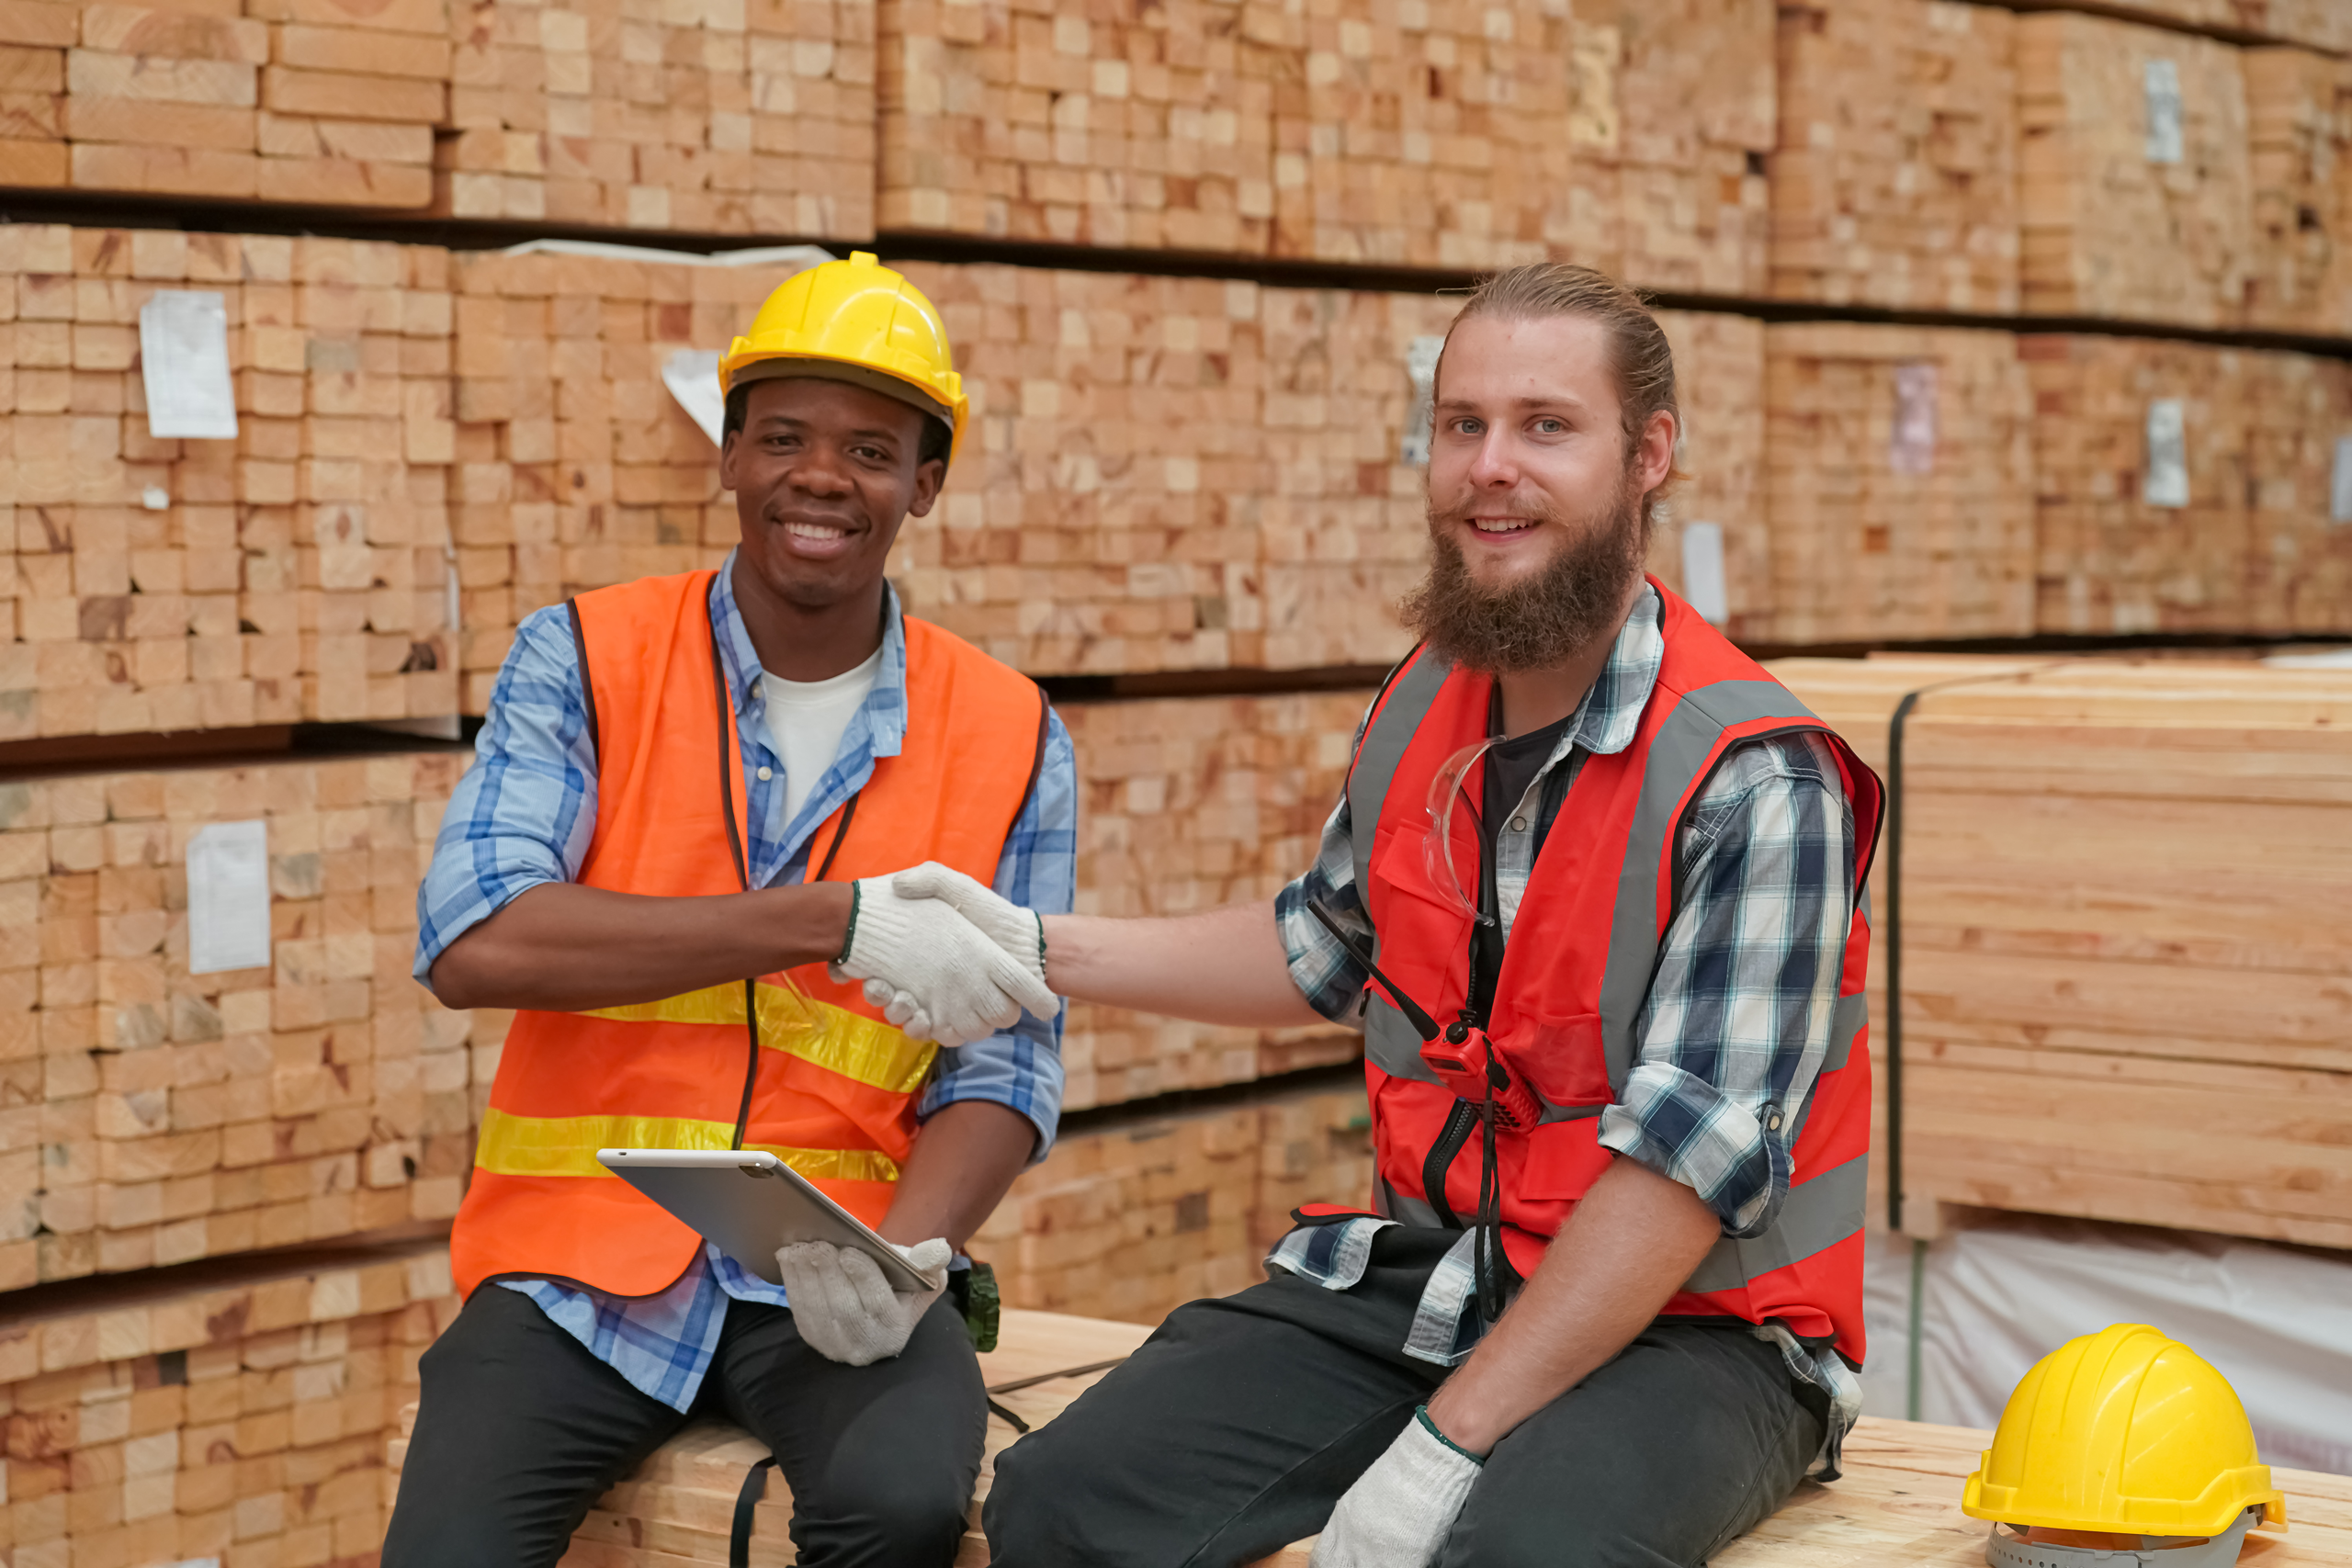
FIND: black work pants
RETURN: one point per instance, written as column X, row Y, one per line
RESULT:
column 520, row 1429
column 1235, row 1427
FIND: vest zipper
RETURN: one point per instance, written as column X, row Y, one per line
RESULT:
column 1458, row 1123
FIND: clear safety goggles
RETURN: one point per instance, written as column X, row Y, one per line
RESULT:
column 1453, row 869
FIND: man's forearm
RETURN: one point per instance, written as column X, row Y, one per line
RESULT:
column 963, row 1162
column 567, row 948
column 1631, row 1243
column 1226, row 966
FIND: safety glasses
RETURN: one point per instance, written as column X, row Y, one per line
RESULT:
column 1454, row 870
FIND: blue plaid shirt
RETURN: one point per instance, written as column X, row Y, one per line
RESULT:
column 523, row 813
column 1739, row 1011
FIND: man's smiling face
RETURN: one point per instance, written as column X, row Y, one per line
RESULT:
column 823, row 474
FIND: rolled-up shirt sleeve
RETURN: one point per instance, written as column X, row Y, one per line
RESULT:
column 524, row 813
column 1021, row 1067
column 1739, row 1015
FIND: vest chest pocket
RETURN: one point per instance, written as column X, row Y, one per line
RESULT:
column 1561, row 1057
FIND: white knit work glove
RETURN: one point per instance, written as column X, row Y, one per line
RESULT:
column 845, row 1306
column 1399, row 1512
column 957, row 986
column 1018, row 933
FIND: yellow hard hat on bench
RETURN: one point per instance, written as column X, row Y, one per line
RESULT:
column 2128, row 1433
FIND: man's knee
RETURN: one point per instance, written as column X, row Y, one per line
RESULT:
column 886, row 1515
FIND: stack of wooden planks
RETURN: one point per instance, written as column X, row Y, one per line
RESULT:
column 314, row 102
column 1900, row 466
column 296, row 571
column 2298, row 108
column 1187, row 804
column 2134, row 175
column 1719, row 371
column 1131, row 1220
column 1895, row 179
column 2299, row 567
column 242, row 1416
column 151, row 1116
column 2315, row 24
column 1457, row 135
column 752, row 118
column 2123, row 960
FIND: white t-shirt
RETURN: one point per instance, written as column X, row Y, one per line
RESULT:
column 806, row 720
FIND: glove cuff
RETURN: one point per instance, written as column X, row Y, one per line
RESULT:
column 1421, row 1414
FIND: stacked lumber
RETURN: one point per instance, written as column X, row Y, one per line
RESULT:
column 2120, row 892
column 296, row 573
column 2299, row 108
column 1443, row 136
column 1676, row 103
column 2133, row 172
column 718, row 119
column 1894, row 179
column 2315, row 23
column 151, row 1116
column 1719, row 382
column 1186, row 804
column 2299, row 571
column 242, row 1419
column 1146, row 129
column 1133, row 1220
column 315, row 102
column 2127, row 544
column 1899, row 484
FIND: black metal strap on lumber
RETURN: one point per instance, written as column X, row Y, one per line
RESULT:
column 747, row 1505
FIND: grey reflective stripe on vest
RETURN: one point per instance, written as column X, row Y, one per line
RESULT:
column 1390, row 1041
column 1819, row 1214
column 1382, row 748
column 1403, row 1208
column 1684, row 748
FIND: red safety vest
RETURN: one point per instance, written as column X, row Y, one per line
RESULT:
column 1577, row 970
column 823, row 1081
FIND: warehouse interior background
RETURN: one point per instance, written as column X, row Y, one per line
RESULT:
column 2015, row 345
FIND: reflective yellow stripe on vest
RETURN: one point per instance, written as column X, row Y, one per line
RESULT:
column 567, row 1145
column 866, row 1049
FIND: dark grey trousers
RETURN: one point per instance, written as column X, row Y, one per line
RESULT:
column 1234, row 1431
column 520, row 1429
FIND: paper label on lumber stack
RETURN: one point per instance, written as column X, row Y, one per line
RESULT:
column 297, row 572
column 1900, row 475
column 2300, row 133
column 2108, row 230
column 1187, row 804
column 1132, row 1221
column 2110, row 562
column 243, row 1421
column 150, row 1116
column 737, row 120
column 1895, row 180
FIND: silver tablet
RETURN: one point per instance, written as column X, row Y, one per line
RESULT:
column 751, row 1203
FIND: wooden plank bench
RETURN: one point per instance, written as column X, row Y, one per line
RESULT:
column 1898, row 1505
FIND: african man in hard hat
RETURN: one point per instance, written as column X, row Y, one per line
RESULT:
column 671, row 858
column 1605, row 1307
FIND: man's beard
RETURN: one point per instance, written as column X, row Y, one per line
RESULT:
column 1540, row 620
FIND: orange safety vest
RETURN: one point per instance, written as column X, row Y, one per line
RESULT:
column 822, row 1081
column 1578, row 969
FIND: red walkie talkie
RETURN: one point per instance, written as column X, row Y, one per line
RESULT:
column 1450, row 1053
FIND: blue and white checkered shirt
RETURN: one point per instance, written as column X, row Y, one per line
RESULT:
column 1738, row 1015
column 523, row 813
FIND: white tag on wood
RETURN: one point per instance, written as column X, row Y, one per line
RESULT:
column 692, row 376
column 1703, row 588
column 2168, row 480
column 183, row 362
column 2339, row 490
column 227, row 898
column 1911, row 446
column 2165, row 142
column 1420, row 367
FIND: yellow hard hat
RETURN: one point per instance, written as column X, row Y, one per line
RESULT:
column 858, row 322
column 2124, row 1432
